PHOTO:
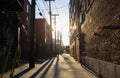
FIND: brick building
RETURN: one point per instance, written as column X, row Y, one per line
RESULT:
column 98, row 25
column 9, row 25
column 43, row 38
column 74, row 32
column 25, row 29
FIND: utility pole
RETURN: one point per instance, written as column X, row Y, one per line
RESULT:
column 60, row 40
column 55, row 27
column 50, row 12
column 57, row 42
column 31, row 54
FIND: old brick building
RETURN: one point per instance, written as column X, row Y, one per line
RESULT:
column 9, row 25
column 25, row 19
column 74, row 32
column 43, row 37
column 98, row 31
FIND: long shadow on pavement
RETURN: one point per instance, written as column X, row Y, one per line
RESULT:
column 56, row 74
column 45, row 72
column 41, row 68
column 22, row 73
column 28, row 69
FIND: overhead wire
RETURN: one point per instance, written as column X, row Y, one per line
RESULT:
column 39, row 8
column 40, row 5
column 57, row 7
column 46, row 3
column 62, row 23
column 58, row 13
column 65, row 6
column 45, row 10
column 47, row 6
column 44, row 14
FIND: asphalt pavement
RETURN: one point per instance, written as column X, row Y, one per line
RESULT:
column 61, row 66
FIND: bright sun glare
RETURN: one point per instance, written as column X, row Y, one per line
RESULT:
column 62, row 21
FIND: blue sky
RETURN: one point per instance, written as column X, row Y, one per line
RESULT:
column 58, row 7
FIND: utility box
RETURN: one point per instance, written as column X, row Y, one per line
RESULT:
column 11, row 5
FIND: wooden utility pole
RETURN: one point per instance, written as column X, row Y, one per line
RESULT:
column 60, row 40
column 55, row 27
column 50, row 12
column 32, row 54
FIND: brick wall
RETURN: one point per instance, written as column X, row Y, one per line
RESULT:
column 43, row 38
column 100, row 42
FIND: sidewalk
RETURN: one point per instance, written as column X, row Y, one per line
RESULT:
column 62, row 66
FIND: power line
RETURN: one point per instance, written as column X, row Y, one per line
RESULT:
column 62, row 6
column 39, row 4
column 46, row 6
column 57, row 7
column 42, row 12
column 46, row 3
column 57, row 10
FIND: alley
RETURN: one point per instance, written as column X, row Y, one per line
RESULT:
column 62, row 66
column 34, row 32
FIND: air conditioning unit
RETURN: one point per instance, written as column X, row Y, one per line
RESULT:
column 11, row 5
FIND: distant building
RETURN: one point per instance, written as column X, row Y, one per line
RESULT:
column 43, row 38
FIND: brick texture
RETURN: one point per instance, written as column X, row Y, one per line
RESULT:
column 100, row 42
